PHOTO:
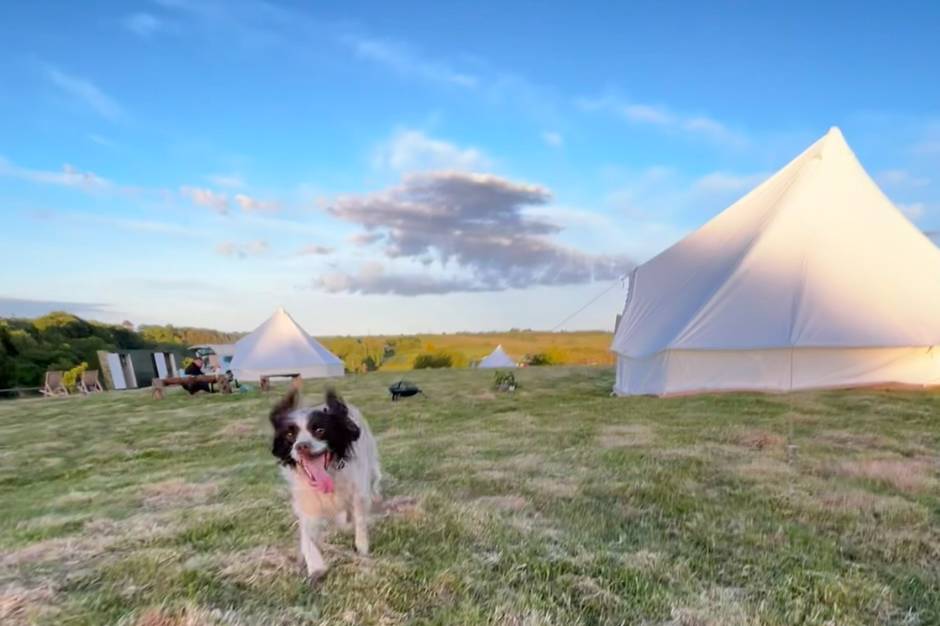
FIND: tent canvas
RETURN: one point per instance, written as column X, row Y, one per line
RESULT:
column 813, row 279
column 497, row 358
column 280, row 346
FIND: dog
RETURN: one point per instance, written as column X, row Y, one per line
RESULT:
column 330, row 460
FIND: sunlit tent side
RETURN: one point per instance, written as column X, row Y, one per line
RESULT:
column 814, row 279
column 497, row 358
column 281, row 347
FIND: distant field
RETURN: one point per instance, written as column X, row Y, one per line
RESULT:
column 569, row 348
column 556, row 505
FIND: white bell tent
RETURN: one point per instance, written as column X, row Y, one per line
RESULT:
column 497, row 358
column 279, row 347
column 814, row 279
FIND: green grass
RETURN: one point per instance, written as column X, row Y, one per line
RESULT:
column 554, row 505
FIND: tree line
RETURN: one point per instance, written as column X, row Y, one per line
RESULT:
column 62, row 341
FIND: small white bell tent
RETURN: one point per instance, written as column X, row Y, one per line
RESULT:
column 280, row 346
column 497, row 358
column 813, row 279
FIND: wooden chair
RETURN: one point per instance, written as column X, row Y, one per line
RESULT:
column 89, row 383
column 53, row 385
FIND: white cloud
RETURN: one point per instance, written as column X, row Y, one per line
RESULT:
column 86, row 92
column 218, row 202
column 406, row 61
column 901, row 179
column 242, row 250
column 412, row 150
column 650, row 209
column 101, row 141
column 254, row 205
column 69, row 176
column 725, row 182
column 229, row 181
column 646, row 113
column 659, row 116
column 315, row 250
column 913, row 210
column 553, row 139
column 929, row 143
column 365, row 239
column 144, row 25
column 480, row 226
column 372, row 279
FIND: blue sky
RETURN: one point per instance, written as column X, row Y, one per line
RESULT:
column 420, row 166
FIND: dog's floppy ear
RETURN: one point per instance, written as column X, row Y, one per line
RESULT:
column 287, row 404
column 334, row 405
column 347, row 430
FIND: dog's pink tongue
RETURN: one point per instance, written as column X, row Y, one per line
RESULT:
column 316, row 471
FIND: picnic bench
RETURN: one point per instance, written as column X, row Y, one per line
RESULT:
column 266, row 380
column 160, row 384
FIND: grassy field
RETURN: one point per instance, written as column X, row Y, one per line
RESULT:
column 566, row 348
column 553, row 505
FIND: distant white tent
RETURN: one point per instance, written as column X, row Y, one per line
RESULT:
column 813, row 279
column 281, row 346
column 497, row 358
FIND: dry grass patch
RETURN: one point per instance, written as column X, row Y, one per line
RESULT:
column 259, row 565
column 176, row 492
column 406, row 507
column 717, row 607
column 240, row 428
column 867, row 503
column 764, row 469
column 22, row 605
column 758, row 439
column 556, row 487
column 52, row 520
column 625, row 436
column 641, row 559
column 503, row 503
column 909, row 475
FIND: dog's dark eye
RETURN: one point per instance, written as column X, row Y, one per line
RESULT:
column 290, row 435
column 319, row 433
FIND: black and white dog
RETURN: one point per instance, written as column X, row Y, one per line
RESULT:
column 331, row 462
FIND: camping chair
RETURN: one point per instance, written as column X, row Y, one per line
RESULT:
column 89, row 383
column 53, row 385
column 404, row 389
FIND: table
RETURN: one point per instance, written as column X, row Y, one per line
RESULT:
column 160, row 384
column 266, row 380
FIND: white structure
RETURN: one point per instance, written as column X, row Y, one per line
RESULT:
column 497, row 358
column 813, row 279
column 164, row 364
column 281, row 347
column 119, row 370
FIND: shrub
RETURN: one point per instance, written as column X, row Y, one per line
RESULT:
column 505, row 381
column 71, row 377
column 434, row 360
column 539, row 358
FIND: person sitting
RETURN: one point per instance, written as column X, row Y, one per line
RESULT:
column 195, row 369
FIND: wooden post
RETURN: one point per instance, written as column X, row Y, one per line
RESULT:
column 158, row 387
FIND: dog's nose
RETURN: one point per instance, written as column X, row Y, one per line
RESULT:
column 303, row 446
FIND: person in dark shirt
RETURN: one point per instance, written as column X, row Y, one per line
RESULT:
column 195, row 369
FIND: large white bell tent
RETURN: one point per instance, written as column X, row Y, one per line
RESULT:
column 497, row 358
column 813, row 279
column 279, row 347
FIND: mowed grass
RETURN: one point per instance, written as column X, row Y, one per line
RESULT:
column 553, row 505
